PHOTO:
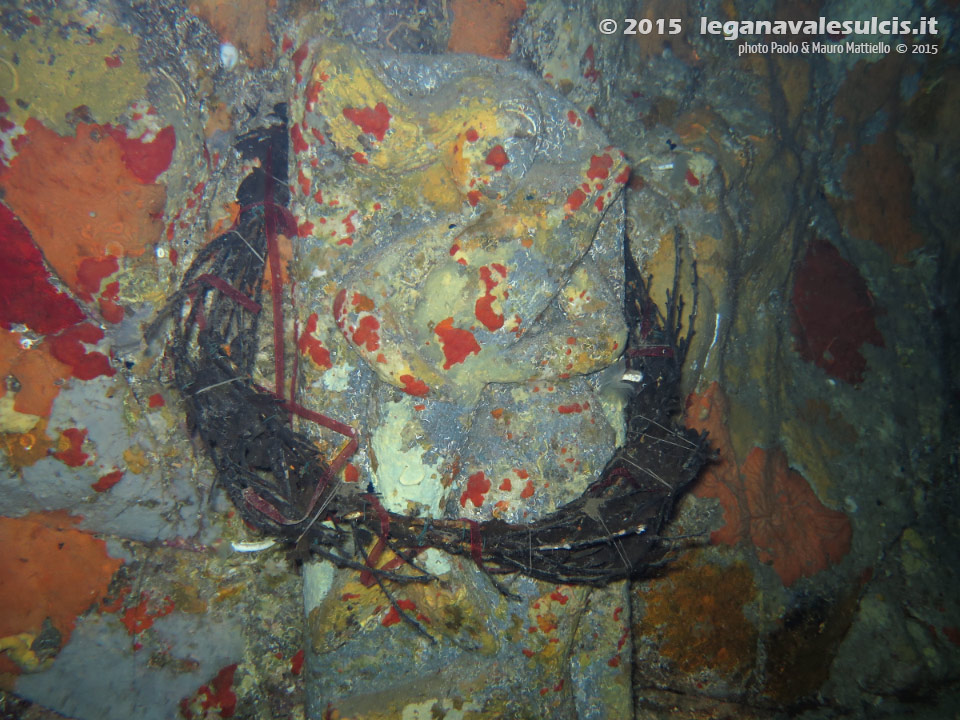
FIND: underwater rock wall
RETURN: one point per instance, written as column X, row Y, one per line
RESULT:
column 454, row 285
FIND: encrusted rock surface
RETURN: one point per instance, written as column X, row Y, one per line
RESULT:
column 462, row 242
column 453, row 287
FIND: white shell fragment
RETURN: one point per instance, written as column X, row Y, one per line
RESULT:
column 249, row 547
column 229, row 55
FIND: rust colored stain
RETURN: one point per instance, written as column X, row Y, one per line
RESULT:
column 25, row 449
column 140, row 617
column 765, row 502
column 305, row 229
column 484, row 27
column 215, row 699
column 68, row 348
column 338, row 311
column 313, row 91
column 485, row 313
column 299, row 55
column 373, row 121
column 366, row 334
column 361, row 303
column 296, row 662
column 37, row 371
column 457, row 343
column 600, row 167
column 497, row 158
column 477, row 487
column 483, row 308
column 834, row 313
column 108, row 303
column 42, row 368
column 393, row 616
column 576, row 199
column 49, row 570
column 695, row 614
column 721, row 479
column 296, row 137
column 793, row 531
column 146, row 160
column 547, row 622
column 72, row 451
column 350, row 473
column 589, row 59
column 26, row 295
column 311, row 346
column 414, row 386
column 108, row 481
column 79, row 199
column 244, row 23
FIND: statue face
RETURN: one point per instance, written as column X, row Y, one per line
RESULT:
column 459, row 278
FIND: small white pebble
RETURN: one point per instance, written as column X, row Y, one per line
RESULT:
column 229, row 55
column 161, row 253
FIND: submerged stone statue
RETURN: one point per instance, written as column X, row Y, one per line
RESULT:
column 457, row 285
column 460, row 271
